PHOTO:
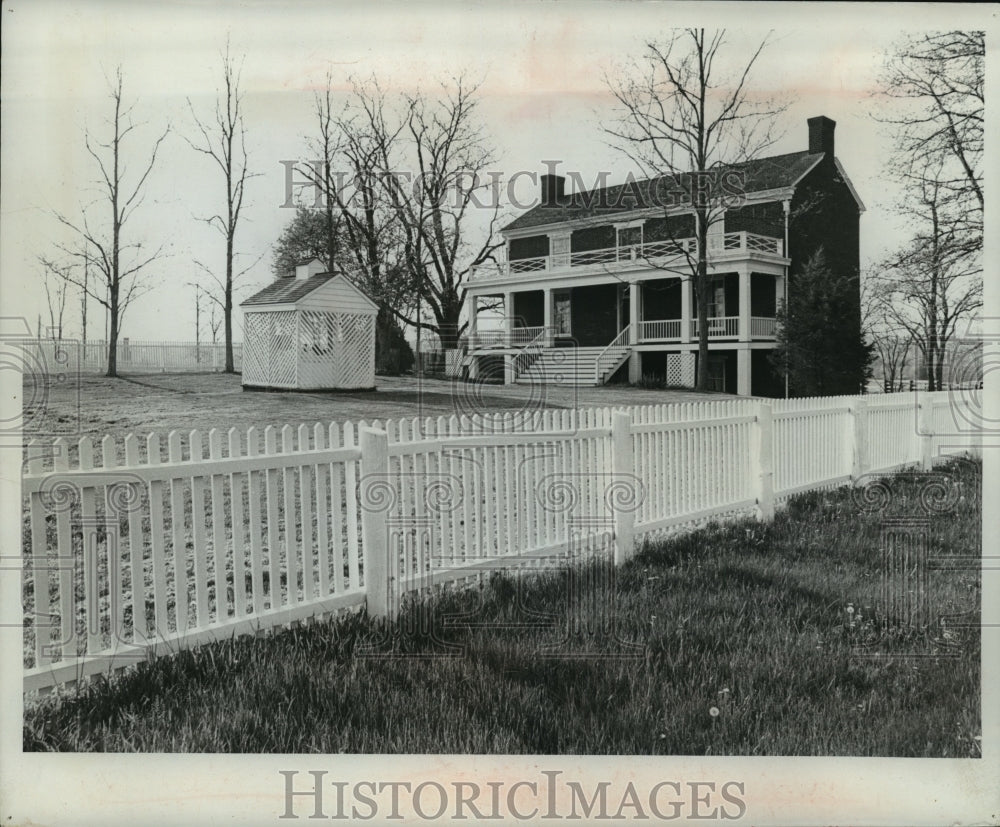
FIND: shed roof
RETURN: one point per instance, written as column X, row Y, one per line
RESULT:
column 288, row 290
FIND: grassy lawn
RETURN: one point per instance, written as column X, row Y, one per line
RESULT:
column 89, row 405
column 734, row 639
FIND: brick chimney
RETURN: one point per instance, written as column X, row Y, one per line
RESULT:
column 553, row 189
column 821, row 135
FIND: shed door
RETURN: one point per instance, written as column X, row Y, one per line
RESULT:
column 281, row 364
column 320, row 349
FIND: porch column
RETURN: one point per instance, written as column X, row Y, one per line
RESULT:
column 744, row 331
column 634, row 358
column 473, row 318
column 508, row 316
column 547, row 316
column 508, row 320
column 686, row 309
column 743, row 370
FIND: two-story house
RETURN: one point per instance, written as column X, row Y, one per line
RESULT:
column 597, row 284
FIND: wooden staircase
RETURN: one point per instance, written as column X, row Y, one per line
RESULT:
column 576, row 366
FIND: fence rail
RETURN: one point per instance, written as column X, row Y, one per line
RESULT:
column 59, row 355
column 149, row 544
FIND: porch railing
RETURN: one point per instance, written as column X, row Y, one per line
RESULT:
column 660, row 330
column 620, row 256
column 608, row 357
column 530, row 352
column 751, row 242
column 654, row 330
column 516, row 337
column 721, row 326
column 761, row 326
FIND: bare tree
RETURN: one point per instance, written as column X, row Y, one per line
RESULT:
column 418, row 168
column 452, row 165
column 347, row 172
column 932, row 100
column 119, row 265
column 935, row 282
column 56, row 291
column 682, row 118
column 214, row 323
column 83, row 303
column 224, row 141
column 326, row 149
column 891, row 342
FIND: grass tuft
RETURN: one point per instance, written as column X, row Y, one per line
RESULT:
column 740, row 639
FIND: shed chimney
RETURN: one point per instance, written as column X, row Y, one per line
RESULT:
column 821, row 135
column 308, row 269
column 553, row 189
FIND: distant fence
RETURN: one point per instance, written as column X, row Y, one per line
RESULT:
column 147, row 545
column 60, row 355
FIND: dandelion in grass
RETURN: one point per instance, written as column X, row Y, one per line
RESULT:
column 713, row 711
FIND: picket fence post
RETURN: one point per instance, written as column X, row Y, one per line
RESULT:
column 762, row 460
column 623, row 477
column 925, row 432
column 375, row 487
column 857, row 438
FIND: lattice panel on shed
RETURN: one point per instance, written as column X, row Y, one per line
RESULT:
column 358, row 353
column 256, row 348
column 320, row 346
column 680, row 369
column 319, row 332
column 282, row 362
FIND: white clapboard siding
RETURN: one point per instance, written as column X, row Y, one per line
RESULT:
column 340, row 296
column 174, row 540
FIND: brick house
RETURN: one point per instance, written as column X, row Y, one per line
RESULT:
column 594, row 284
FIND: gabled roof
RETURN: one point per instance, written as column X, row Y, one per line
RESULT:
column 762, row 174
column 288, row 290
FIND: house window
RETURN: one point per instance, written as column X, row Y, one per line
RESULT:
column 562, row 311
column 717, row 234
column 559, row 245
column 629, row 238
column 717, row 302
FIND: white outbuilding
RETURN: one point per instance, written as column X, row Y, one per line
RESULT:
column 314, row 332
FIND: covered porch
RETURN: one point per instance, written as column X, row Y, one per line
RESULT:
column 742, row 307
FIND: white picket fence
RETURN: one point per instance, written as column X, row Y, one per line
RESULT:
column 153, row 544
column 48, row 356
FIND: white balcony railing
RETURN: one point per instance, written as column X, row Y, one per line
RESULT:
column 613, row 258
column 663, row 330
column 762, row 327
column 516, row 337
column 670, row 330
column 719, row 326
column 655, row 330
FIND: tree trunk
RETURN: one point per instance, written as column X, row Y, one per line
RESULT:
column 230, row 362
column 113, row 337
column 83, row 305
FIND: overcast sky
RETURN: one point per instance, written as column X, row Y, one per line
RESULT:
column 542, row 94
